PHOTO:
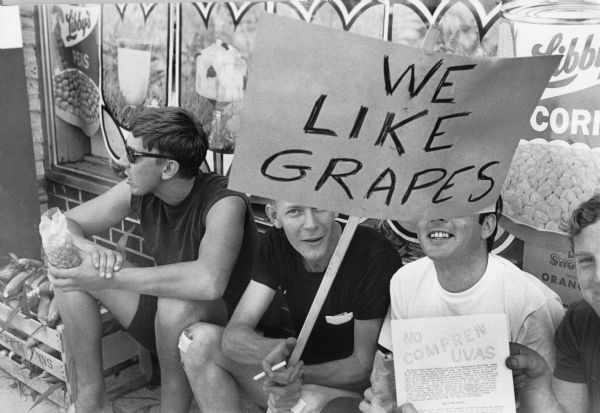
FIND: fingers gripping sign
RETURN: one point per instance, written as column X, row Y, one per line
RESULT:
column 528, row 367
column 280, row 353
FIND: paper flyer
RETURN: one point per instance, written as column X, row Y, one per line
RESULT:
column 453, row 364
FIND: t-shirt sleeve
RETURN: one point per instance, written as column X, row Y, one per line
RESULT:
column 537, row 331
column 569, row 364
column 384, row 342
column 265, row 269
column 373, row 295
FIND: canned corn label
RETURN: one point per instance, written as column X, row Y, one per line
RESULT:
column 569, row 109
column 554, row 268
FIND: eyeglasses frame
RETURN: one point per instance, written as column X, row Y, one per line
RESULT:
column 132, row 154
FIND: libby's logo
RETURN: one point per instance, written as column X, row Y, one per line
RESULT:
column 572, row 60
column 78, row 23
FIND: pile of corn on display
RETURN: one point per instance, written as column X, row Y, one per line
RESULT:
column 547, row 181
column 25, row 287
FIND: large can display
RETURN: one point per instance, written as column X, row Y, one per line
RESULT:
column 551, row 176
column 569, row 109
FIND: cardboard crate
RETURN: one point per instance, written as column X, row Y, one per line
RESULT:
column 127, row 365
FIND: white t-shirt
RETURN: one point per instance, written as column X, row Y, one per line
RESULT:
column 533, row 310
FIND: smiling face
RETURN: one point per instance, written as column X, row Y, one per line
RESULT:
column 312, row 232
column 454, row 238
column 143, row 176
column 586, row 248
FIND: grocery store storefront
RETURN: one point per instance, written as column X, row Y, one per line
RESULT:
column 100, row 64
column 90, row 68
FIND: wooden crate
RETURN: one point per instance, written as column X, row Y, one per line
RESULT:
column 127, row 365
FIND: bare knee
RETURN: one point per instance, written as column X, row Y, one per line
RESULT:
column 316, row 397
column 204, row 347
column 174, row 313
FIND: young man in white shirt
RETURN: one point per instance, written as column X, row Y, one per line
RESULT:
column 459, row 276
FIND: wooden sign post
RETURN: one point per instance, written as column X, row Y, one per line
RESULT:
column 330, row 273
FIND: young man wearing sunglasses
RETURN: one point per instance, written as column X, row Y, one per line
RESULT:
column 200, row 234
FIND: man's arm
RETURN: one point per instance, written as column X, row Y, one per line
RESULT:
column 573, row 397
column 354, row 371
column 202, row 279
column 97, row 215
column 241, row 342
column 538, row 390
column 537, row 331
column 100, row 213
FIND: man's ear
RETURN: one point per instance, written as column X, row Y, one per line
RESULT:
column 272, row 214
column 170, row 168
column 489, row 225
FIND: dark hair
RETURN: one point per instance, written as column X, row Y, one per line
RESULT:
column 175, row 132
column 498, row 213
column 586, row 214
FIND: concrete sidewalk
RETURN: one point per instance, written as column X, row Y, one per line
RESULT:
column 15, row 397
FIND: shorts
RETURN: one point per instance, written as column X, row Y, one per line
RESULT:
column 142, row 325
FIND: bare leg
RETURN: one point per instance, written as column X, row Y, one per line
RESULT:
column 172, row 317
column 218, row 382
column 81, row 318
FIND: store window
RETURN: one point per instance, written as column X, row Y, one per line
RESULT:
column 89, row 97
column 104, row 63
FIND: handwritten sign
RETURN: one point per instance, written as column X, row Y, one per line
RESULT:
column 371, row 128
column 453, row 362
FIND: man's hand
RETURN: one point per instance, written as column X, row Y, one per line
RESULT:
column 105, row 260
column 282, row 397
column 280, row 352
column 408, row 408
column 528, row 367
column 534, row 384
column 283, row 385
column 381, row 397
column 371, row 404
column 83, row 277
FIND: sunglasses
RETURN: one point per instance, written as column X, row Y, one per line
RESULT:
column 132, row 154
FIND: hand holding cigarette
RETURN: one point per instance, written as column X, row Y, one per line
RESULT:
column 277, row 360
column 284, row 381
column 274, row 368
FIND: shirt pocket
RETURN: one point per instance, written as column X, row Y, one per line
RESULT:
column 338, row 319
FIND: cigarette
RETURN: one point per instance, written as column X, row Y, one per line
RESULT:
column 275, row 367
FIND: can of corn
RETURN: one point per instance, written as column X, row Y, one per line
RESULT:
column 569, row 108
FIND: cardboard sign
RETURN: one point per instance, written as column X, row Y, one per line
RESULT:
column 457, row 363
column 556, row 269
column 370, row 128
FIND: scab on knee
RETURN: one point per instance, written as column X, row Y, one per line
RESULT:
column 184, row 341
column 197, row 344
